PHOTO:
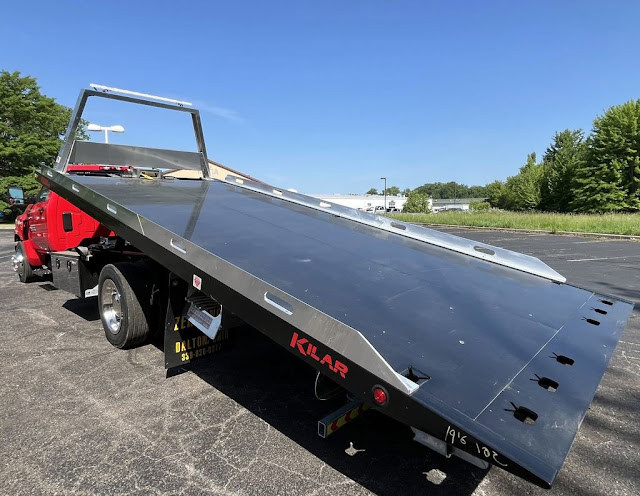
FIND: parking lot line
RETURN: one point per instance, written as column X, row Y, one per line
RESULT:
column 601, row 258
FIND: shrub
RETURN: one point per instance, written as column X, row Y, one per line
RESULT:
column 479, row 206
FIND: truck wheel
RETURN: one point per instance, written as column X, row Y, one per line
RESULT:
column 124, row 299
column 21, row 264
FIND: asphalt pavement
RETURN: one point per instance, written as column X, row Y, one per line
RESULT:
column 80, row 417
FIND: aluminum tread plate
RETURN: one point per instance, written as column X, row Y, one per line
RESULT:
column 475, row 327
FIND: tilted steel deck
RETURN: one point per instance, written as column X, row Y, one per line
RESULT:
column 513, row 355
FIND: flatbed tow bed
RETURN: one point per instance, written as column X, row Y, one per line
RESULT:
column 487, row 354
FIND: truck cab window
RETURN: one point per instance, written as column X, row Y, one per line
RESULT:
column 43, row 195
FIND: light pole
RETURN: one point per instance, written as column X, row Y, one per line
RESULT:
column 106, row 129
column 385, row 193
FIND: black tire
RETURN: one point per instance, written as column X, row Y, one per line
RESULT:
column 124, row 296
column 21, row 264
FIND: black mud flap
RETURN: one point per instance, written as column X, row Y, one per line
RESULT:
column 184, row 343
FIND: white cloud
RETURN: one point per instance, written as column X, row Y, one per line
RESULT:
column 225, row 113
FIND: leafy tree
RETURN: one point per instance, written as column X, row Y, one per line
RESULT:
column 477, row 192
column 429, row 189
column 610, row 178
column 406, row 192
column 417, row 202
column 392, row 191
column 495, row 193
column 563, row 158
column 452, row 189
column 523, row 190
column 434, row 190
column 31, row 125
column 528, row 188
column 372, row 191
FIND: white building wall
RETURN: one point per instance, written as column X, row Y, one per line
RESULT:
column 363, row 202
column 441, row 208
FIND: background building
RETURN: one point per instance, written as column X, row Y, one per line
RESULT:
column 364, row 202
column 453, row 203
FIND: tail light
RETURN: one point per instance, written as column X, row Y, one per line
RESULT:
column 380, row 396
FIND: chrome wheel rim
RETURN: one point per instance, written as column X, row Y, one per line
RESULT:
column 110, row 306
column 17, row 259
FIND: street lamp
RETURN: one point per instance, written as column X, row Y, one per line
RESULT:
column 106, row 129
column 385, row 193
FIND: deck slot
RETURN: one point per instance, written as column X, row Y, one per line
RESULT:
column 325, row 205
column 600, row 311
column 177, row 247
column 524, row 415
column 75, row 188
column 593, row 322
column 564, row 360
column 486, row 251
column 112, row 209
column 546, row 383
column 278, row 303
column 607, row 302
column 398, row 226
column 277, row 192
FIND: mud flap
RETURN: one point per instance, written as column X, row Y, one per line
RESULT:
column 183, row 342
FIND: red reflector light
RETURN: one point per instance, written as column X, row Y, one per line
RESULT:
column 379, row 395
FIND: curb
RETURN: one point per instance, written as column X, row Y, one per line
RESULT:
column 536, row 231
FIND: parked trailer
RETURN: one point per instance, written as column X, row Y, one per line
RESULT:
column 485, row 353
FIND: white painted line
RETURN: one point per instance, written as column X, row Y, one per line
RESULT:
column 531, row 231
column 604, row 258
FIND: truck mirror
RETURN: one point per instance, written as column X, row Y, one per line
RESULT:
column 16, row 195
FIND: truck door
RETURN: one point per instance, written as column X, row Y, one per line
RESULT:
column 37, row 219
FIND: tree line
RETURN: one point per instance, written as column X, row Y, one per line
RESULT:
column 451, row 189
column 597, row 173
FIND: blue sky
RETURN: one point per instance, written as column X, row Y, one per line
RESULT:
column 328, row 96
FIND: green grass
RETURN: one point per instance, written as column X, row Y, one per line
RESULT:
column 627, row 224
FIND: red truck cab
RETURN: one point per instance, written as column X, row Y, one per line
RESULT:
column 53, row 224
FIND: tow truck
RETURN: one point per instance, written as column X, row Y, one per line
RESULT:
column 487, row 354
